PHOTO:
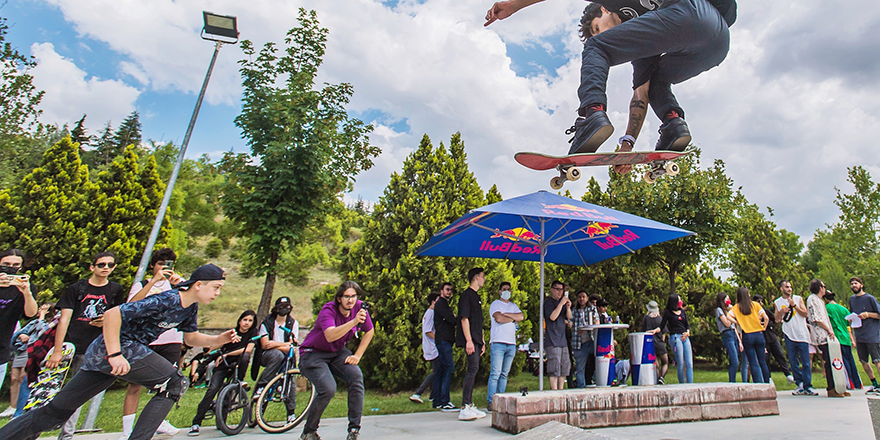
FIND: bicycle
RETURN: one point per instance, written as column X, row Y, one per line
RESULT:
column 273, row 402
column 233, row 409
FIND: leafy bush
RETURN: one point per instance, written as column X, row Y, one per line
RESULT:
column 214, row 248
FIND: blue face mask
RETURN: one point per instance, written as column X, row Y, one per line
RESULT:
column 505, row 295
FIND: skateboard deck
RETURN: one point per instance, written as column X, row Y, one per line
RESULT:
column 837, row 369
column 49, row 381
column 661, row 162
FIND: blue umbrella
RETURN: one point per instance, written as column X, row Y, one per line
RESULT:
column 547, row 227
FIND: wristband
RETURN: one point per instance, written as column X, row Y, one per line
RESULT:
column 627, row 138
column 118, row 353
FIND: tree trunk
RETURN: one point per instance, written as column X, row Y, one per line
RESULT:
column 268, row 290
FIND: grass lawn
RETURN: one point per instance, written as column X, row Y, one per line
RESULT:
column 379, row 402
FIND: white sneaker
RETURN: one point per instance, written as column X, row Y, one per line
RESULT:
column 416, row 398
column 8, row 412
column 467, row 413
column 480, row 414
column 166, row 428
column 789, row 378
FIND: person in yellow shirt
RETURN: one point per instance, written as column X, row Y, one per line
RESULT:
column 753, row 320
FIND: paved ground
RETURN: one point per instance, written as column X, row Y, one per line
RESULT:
column 801, row 417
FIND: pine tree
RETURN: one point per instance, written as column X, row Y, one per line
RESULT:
column 53, row 218
column 434, row 188
column 78, row 134
column 105, row 147
column 128, row 133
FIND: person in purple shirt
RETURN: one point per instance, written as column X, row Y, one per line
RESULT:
column 323, row 355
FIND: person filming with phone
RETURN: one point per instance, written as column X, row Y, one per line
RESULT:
column 82, row 307
column 16, row 301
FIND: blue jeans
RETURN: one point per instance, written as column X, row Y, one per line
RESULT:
column 728, row 339
column 24, row 392
column 581, row 357
column 501, row 359
column 754, row 345
column 799, row 361
column 443, row 376
column 684, row 359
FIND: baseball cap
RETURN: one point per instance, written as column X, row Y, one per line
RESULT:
column 601, row 303
column 652, row 306
column 208, row 272
column 282, row 300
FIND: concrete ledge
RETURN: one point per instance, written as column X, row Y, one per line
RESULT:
column 604, row 407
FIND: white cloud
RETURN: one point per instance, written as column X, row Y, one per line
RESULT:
column 786, row 124
column 71, row 92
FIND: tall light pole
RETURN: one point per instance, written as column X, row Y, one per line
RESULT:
column 220, row 29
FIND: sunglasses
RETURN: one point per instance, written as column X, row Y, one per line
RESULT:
column 103, row 265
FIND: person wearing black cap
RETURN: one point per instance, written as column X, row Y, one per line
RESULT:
column 275, row 343
column 122, row 352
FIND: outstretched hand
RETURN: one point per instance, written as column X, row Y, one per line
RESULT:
column 500, row 11
column 229, row 336
column 625, row 168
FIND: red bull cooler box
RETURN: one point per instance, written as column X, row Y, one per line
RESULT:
column 604, row 349
column 642, row 358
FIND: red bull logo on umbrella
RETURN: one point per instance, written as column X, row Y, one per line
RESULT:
column 519, row 233
column 612, row 240
column 596, row 228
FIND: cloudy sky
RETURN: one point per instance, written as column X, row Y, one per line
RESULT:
column 790, row 109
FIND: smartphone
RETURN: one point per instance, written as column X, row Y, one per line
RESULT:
column 19, row 277
column 169, row 264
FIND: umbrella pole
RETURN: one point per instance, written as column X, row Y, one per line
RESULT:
column 541, row 314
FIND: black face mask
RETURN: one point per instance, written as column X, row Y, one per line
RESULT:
column 9, row 270
column 284, row 311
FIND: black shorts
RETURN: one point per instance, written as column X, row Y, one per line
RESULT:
column 171, row 352
column 868, row 348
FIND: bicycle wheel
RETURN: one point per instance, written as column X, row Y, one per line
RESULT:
column 277, row 412
column 233, row 409
column 252, row 420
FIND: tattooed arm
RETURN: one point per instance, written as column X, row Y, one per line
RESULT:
column 638, row 108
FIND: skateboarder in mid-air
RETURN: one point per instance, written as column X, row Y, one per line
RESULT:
column 666, row 45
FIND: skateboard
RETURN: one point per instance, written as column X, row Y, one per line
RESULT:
column 661, row 162
column 49, row 381
column 837, row 369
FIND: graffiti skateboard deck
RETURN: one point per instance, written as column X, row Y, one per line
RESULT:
column 837, row 368
column 661, row 163
column 49, row 381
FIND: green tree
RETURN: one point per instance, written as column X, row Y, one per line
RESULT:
column 434, row 188
column 19, row 97
column 78, row 134
column 49, row 215
column 698, row 200
column 123, row 213
column 305, row 149
column 757, row 253
column 105, row 147
column 128, row 133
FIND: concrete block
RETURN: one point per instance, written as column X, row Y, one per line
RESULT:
column 760, row 408
column 539, row 402
column 720, row 393
column 686, row 413
column 503, row 422
column 590, row 419
column 524, row 423
column 718, row 411
column 501, row 403
column 757, row 391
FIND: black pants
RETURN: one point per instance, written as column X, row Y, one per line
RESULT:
column 218, row 380
column 320, row 367
column 667, row 46
column 470, row 376
column 775, row 350
column 151, row 372
column 829, row 374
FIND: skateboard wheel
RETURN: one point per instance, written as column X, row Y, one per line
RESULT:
column 573, row 174
column 672, row 168
column 556, row 183
column 649, row 177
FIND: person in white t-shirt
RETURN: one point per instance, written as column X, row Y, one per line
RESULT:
column 167, row 345
column 429, row 349
column 502, row 341
column 792, row 312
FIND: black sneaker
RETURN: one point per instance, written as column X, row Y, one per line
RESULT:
column 589, row 132
column 193, row 431
column 674, row 135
